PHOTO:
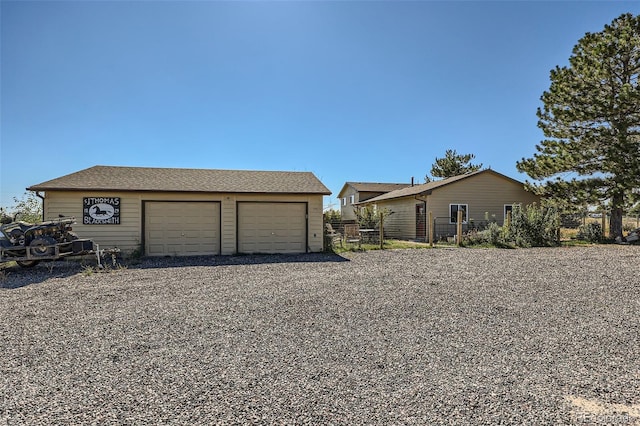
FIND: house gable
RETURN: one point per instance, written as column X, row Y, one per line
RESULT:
column 484, row 194
column 353, row 193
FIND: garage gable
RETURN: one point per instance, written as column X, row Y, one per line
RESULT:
column 169, row 211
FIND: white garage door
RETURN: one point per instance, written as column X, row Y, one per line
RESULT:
column 272, row 227
column 182, row 228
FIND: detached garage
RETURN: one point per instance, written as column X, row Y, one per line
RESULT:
column 185, row 212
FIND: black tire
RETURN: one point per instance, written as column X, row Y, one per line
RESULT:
column 38, row 246
column 27, row 263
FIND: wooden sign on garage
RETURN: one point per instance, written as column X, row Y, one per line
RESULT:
column 101, row 211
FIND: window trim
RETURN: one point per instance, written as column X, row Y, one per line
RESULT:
column 465, row 217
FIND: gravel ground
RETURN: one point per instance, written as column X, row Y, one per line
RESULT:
column 442, row 336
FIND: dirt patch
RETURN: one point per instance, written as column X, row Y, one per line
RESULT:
column 600, row 412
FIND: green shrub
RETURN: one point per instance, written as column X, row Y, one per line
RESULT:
column 534, row 226
column 332, row 216
column 367, row 217
column 474, row 238
column 591, row 232
column 492, row 235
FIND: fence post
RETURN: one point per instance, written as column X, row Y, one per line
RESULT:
column 381, row 236
column 459, row 228
column 431, row 226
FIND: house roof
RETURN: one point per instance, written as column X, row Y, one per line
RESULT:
column 373, row 186
column 426, row 188
column 112, row 178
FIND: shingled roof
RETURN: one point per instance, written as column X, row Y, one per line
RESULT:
column 113, row 178
column 372, row 187
column 426, row 188
column 376, row 187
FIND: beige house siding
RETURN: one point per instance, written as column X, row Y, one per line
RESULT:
column 128, row 234
column 485, row 194
column 361, row 191
column 402, row 223
column 346, row 210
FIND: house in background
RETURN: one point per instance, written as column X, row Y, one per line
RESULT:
column 485, row 195
column 174, row 212
column 353, row 193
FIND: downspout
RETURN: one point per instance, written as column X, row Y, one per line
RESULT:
column 42, row 198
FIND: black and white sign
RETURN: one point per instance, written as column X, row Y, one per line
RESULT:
column 101, row 211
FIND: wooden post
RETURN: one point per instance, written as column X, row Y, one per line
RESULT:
column 604, row 222
column 431, row 226
column 459, row 228
column 381, row 236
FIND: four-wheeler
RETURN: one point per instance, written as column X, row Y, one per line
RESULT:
column 27, row 243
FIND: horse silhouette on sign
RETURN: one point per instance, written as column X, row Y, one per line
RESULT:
column 99, row 212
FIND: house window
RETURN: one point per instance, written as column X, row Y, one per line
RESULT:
column 344, row 201
column 352, row 199
column 453, row 212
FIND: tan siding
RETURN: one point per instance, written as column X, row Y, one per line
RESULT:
column 316, row 226
column 402, row 223
column 229, row 225
column 347, row 212
column 127, row 235
column 485, row 194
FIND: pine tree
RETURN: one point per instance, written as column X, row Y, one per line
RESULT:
column 591, row 121
column 453, row 164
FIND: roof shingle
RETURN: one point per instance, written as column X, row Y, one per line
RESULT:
column 379, row 187
column 427, row 187
column 376, row 187
column 116, row 178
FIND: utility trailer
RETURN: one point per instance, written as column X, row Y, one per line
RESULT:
column 28, row 244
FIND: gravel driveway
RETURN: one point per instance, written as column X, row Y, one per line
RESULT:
column 441, row 336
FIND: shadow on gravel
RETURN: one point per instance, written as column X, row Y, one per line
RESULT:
column 14, row 277
column 249, row 259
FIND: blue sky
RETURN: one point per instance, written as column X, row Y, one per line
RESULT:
column 349, row 90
